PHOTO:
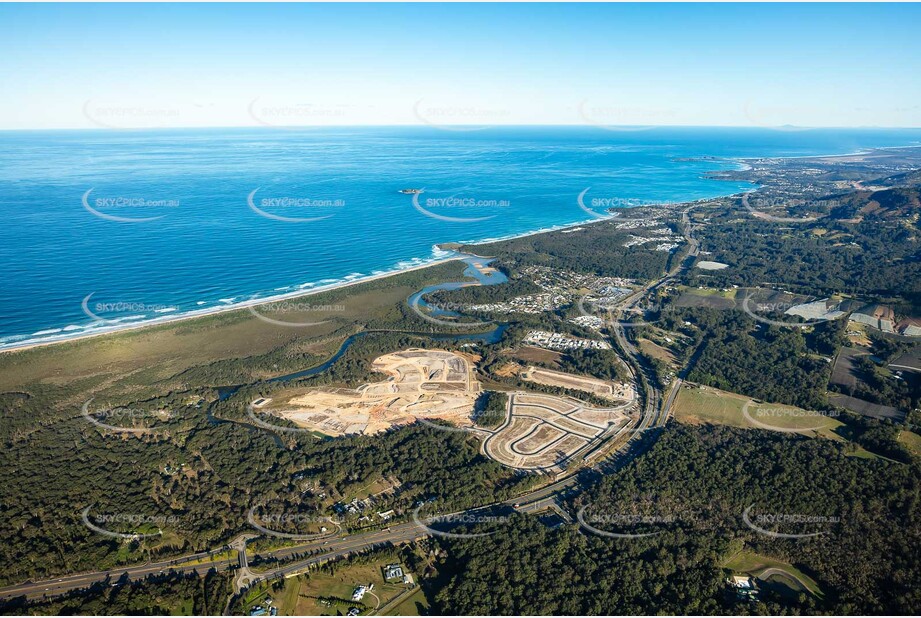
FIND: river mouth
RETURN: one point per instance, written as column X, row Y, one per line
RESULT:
column 477, row 268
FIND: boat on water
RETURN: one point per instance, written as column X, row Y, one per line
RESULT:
column 412, row 191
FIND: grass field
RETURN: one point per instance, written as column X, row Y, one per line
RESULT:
column 706, row 405
column 752, row 564
column 530, row 354
column 416, row 604
column 707, row 297
column 299, row 595
column 710, row 292
column 911, row 441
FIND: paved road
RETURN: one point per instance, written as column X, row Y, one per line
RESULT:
column 244, row 577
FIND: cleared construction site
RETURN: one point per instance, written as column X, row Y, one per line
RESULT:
column 433, row 384
column 596, row 386
column 546, row 432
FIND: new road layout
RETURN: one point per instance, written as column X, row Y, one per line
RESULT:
column 655, row 414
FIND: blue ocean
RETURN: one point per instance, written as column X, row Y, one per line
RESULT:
column 102, row 229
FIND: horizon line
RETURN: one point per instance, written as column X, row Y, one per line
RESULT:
column 469, row 127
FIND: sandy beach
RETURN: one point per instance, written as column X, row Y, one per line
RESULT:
column 202, row 313
column 211, row 311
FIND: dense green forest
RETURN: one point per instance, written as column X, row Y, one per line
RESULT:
column 608, row 256
column 693, row 487
column 490, row 409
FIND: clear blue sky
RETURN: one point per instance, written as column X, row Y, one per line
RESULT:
column 83, row 66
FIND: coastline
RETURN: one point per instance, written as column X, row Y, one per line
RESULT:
column 211, row 311
column 256, row 302
column 855, row 153
column 452, row 247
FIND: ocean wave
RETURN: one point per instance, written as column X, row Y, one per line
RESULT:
column 128, row 318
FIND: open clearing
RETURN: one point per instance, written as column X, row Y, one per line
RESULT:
column 423, row 383
column 541, row 432
column 544, row 432
column 650, row 348
column 611, row 390
column 531, row 354
column 911, row 441
column 846, row 376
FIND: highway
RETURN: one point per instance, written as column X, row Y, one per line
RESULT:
column 53, row 587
